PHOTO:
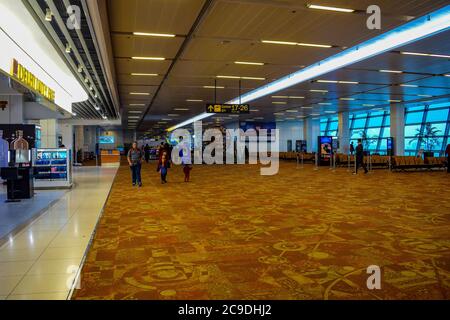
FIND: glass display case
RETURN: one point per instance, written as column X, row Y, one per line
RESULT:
column 52, row 168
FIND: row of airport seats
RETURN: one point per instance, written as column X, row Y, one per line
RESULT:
column 377, row 160
column 307, row 157
column 418, row 163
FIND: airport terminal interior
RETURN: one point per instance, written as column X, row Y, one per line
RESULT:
column 224, row 150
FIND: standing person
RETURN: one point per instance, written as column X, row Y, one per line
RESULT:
column 447, row 152
column 163, row 167
column 360, row 157
column 147, row 153
column 352, row 148
column 135, row 161
column 187, row 172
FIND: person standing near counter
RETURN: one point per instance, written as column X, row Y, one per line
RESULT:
column 135, row 161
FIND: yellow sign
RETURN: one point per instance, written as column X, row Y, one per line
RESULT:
column 24, row 76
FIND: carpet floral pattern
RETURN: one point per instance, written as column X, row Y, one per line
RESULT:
column 302, row 234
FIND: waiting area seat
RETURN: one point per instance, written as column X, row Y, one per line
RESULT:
column 307, row 157
column 404, row 163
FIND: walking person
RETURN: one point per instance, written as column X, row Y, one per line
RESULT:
column 352, row 148
column 163, row 167
column 447, row 152
column 147, row 153
column 135, row 161
column 360, row 158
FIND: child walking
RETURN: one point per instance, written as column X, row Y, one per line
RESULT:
column 163, row 166
column 187, row 172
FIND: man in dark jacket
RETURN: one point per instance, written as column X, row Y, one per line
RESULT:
column 447, row 152
column 360, row 157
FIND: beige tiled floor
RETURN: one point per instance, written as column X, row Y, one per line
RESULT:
column 40, row 262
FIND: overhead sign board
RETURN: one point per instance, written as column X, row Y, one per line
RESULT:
column 227, row 108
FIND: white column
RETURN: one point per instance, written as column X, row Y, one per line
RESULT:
column 398, row 128
column 344, row 132
column 49, row 137
column 311, row 131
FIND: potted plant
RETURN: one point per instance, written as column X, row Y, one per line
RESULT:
column 429, row 137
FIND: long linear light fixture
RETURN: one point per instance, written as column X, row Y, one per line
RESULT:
column 328, row 8
column 412, row 31
column 426, row 54
column 288, row 43
column 147, row 34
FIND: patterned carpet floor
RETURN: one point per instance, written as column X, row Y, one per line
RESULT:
column 302, row 234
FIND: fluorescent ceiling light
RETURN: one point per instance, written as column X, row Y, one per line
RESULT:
column 287, row 97
column 278, row 102
column 145, row 74
column 347, row 99
column 291, row 111
column 325, row 104
column 313, row 6
column 316, row 90
column 213, row 87
column 149, row 58
column 137, row 105
column 250, row 63
column 395, row 100
column 146, row 34
column 315, row 114
column 337, row 81
column 135, row 112
column 425, row 95
column 278, row 114
column 330, row 111
column 181, row 109
column 368, row 105
column 194, row 100
column 133, row 117
column 426, row 54
column 237, row 77
column 306, row 107
column 139, row 93
column 288, row 43
column 254, row 110
column 409, row 85
column 253, row 78
column 391, row 71
column 423, row 27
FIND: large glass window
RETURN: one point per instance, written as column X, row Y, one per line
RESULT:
column 427, row 129
column 373, row 128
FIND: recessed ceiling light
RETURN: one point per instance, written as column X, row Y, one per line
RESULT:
column 149, row 58
column 133, row 117
column 426, row 54
column 297, row 44
column 278, row 114
column 316, row 90
column 278, row 102
column 254, row 110
column 181, row 109
column 368, row 105
column 391, row 71
column 330, row 111
column 194, row 100
column 135, row 112
column 315, row 114
column 139, row 93
column 337, row 81
column 280, row 97
column 291, row 111
column 250, row 63
column 347, row 99
column 425, row 95
column 213, row 87
column 409, row 85
column 296, row 97
column 237, row 77
column 146, row 34
column 306, row 107
column 145, row 74
column 394, row 100
column 325, row 104
column 313, row 6
column 137, row 105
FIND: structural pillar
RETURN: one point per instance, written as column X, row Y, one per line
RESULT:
column 398, row 128
column 311, row 130
column 49, row 137
column 344, row 132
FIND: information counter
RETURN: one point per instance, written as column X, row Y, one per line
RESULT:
column 109, row 157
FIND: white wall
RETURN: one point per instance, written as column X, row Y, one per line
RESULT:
column 13, row 113
column 290, row 130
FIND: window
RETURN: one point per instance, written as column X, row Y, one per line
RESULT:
column 373, row 127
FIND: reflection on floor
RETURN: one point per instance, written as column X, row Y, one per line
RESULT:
column 302, row 234
column 14, row 215
column 40, row 262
